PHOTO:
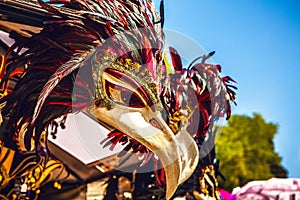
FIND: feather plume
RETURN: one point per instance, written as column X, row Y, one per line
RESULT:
column 60, row 73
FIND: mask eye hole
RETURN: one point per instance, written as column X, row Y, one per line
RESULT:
column 123, row 95
column 123, row 89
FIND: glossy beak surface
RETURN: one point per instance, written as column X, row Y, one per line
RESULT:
column 178, row 153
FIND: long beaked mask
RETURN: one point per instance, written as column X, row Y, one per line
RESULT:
column 127, row 99
column 84, row 61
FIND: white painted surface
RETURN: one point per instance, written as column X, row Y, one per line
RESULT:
column 82, row 138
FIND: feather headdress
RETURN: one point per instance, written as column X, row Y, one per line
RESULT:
column 119, row 47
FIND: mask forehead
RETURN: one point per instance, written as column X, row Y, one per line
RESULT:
column 128, row 73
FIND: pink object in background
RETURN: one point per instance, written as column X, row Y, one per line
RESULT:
column 275, row 188
column 227, row 195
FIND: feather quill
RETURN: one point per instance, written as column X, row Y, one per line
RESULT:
column 63, row 71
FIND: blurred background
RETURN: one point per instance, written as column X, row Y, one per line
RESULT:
column 258, row 44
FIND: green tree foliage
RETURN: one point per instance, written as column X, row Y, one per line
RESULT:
column 246, row 151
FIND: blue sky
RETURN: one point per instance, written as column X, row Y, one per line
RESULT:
column 257, row 42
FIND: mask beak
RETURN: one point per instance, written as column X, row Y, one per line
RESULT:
column 178, row 153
